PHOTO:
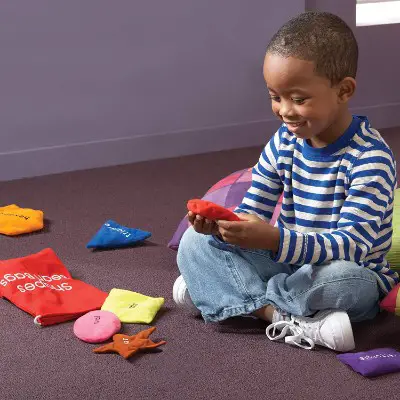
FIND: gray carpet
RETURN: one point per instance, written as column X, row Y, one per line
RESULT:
column 231, row 360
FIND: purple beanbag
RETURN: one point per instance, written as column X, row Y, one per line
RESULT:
column 97, row 326
column 373, row 362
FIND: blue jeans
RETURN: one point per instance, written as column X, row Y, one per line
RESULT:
column 225, row 280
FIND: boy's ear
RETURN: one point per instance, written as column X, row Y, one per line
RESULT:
column 346, row 89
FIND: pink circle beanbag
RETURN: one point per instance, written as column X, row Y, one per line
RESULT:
column 96, row 326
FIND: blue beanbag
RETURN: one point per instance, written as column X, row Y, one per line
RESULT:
column 112, row 235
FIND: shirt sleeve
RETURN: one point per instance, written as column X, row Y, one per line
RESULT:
column 372, row 181
column 266, row 185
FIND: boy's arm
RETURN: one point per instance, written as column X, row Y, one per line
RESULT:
column 266, row 185
column 370, row 195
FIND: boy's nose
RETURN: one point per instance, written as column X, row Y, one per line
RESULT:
column 286, row 110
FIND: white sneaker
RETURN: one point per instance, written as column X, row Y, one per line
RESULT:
column 328, row 328
column 181, row 295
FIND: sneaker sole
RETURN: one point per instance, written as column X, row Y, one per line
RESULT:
column 178, row 291
column 181, row 296
column 347, row 340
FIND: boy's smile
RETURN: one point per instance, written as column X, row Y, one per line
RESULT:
column 311, row 107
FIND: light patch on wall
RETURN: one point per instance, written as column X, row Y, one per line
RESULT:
column 378, row 12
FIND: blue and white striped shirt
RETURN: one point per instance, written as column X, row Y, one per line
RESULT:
column 337, row 200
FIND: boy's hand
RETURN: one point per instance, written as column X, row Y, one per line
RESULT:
column 251, row 233
column 203, row 225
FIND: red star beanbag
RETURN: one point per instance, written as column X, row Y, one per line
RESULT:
column 210, row 210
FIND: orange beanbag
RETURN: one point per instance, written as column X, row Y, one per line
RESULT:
column 16, row 221
column 210, row 210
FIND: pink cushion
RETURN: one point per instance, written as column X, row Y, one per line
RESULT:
column 228, row 193
column 96, row 326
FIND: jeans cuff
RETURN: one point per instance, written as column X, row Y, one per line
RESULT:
column 229, row 312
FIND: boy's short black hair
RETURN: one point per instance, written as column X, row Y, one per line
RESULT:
column 321, row 37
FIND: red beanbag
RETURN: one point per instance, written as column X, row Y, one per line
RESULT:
column 210, row 210
column 391, row 302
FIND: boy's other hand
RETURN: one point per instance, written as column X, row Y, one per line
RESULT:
column 202, row 225
column 250, row 233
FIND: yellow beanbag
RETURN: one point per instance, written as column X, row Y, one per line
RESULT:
column 15, row 220
column 132, row 307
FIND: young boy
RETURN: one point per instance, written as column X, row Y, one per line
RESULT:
column 324, row 264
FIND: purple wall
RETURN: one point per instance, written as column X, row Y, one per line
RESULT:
column 98, row 82
column 94, row 83
column 378, row 87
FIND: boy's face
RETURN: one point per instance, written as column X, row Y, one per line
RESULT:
column 308, row 103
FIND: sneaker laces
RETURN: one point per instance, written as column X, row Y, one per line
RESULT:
column 292, row 331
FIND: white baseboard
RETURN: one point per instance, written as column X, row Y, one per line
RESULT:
column 381, row 116
column 71, row 157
